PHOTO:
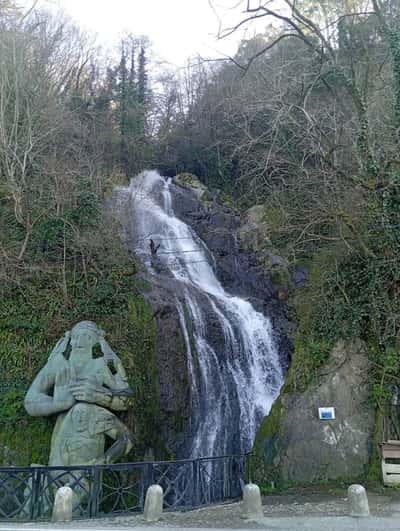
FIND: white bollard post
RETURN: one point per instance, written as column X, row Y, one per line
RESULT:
column 358, row 501
column 153, row 504
column 62, row 508
column 251, row 505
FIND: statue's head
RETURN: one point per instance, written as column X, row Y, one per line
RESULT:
column 85, row 334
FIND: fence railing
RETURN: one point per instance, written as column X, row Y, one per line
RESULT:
column 27, row 493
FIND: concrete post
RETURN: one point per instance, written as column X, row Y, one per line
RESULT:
column 153, row 504
column 358, row 501
column 251, row 505
column 62, row 508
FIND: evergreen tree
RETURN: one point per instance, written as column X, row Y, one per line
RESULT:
column 131, row 105
column 142, row 77
column 123, row 110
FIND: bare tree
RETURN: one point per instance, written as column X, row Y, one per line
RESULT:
column 320, row 26
column 38, row 65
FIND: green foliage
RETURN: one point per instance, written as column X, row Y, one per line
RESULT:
column 26, row 442
column 354, row 279
column 387, row 362
column 49, row 233
column 266, row 446
column 144, row 367
column 130, row 94
column 33, row 317
column 309, row 355
column 12, row 406
column 375, row 465
column 280, row 277
column 226, row 198
column 85, row 214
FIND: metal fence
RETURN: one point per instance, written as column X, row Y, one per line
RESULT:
column 27, row 493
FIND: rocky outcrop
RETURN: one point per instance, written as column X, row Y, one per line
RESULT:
column 293, row 444
column 174, row 386
column 253, row 232
column 190, row 181
column 237, row 267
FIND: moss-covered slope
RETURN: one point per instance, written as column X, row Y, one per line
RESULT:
column 33, row 317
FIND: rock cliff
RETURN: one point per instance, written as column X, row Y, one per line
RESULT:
column 293, row 444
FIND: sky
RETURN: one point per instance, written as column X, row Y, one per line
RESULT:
column 177, row 28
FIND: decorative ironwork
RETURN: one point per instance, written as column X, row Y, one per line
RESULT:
column 27, row 493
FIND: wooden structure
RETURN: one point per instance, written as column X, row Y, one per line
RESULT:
column 391, row 462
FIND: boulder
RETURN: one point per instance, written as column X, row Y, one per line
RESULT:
column 253, row 232
column 300, row 277
column 293, row 444
column 188, row 180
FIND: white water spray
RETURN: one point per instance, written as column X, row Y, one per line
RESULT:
column 233, row 387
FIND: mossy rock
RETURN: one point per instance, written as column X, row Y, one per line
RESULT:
column 188, row 180
column 293, row 444
column 281, row 279
column 308, row 358
column 375, row 465
column 264, row 467
column 228, row 201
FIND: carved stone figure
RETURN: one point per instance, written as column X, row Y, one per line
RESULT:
column 82, row 390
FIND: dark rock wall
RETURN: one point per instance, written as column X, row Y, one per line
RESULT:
column 174, row 384
column 237, row 268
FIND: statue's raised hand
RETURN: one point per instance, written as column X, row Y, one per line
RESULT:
column 61, row 345
column 109, row 354
column 62, row 388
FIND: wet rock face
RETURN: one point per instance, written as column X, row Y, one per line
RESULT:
column 237, row 268
column 240, row 275
column 174, row 385
column 305, row 448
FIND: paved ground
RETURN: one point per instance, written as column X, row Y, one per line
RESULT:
column 308, row 511
column 283, row 524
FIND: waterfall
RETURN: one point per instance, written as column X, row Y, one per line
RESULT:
column 232, row 361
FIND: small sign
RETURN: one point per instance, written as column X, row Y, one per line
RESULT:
column 326, row 413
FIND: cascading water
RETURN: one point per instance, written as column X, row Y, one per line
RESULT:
column 232, row 361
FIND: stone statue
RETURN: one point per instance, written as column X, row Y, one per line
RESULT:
column 82, row 390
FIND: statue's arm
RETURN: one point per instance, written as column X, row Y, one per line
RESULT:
column 123, row 441
column 117, row 387
column 112, row 393
column 118, row 399
column 39, row 402
column 110, row 398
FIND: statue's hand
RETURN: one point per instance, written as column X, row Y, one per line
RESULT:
column 62, row 392
column 61, row 345
column 109, row 354
column 87, row 391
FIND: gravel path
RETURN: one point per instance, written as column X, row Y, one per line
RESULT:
column 298, row 511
